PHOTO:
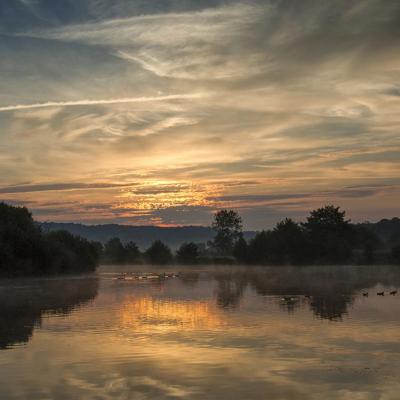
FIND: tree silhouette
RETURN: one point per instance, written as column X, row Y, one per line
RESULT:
column 188, row 253
column 288, row 243
column 330, row 235
column 258, row 252
column 228, row 227
column 114, row 251
column 366, row 242
column 25, row 250
column 132, row 252
column 70, row 253
column 241, row 250
column 158, row 253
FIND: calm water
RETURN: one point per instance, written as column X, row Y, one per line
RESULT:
column 270, row 333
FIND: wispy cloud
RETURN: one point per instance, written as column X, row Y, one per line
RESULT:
column 76, row 103
column 45, row 187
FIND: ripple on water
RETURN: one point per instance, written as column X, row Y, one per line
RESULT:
column 226, row 333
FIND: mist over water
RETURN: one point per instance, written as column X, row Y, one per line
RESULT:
column 209, row 333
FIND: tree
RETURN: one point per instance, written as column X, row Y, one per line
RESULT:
column 241, row 250
column 158, row 253
column 188, row 253
column 72, row 253
column 366, row 242
column 228, row 227
column 259, row 248
column 287, row 243
column 330, row 234
column 132, row 252
column 21, row 245
column 114, row 251
column 25, row 250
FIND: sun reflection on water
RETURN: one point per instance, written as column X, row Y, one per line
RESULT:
column 146, row 313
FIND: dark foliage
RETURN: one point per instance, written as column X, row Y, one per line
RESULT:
column 366, row 243
column 188, row 253
column 396, row 255
column 387, row 230
column 132, row 253
column 68, row 253
column 115, row 252
column 22, row 249
column 25, row 250
column 330, row 235
column 158, row 253
column 259, row 248
column 325, row 238
column 228, row 227
column 289, row 244
column 241, row 251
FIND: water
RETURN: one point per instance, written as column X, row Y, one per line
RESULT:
column 223, row 333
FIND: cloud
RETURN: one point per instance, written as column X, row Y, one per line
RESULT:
column 277, row 106
column 267, row 198
column 257, row 197
column 29, row 188
column 159, row 189
column 172, row 44
column 102, row 102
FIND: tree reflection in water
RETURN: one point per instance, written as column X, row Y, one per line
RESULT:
column 327, row 291
column 23, row 304
column 230, row 288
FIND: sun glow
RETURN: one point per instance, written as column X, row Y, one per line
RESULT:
column 162, row 194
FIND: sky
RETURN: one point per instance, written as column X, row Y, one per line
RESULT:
column 160, row 112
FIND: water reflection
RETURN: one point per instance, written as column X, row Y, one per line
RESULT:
column 24, row 303
column 327, row 291
column 216, row 334
column 230, row 288
column 154, row 314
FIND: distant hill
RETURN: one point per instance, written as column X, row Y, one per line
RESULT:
column 143, row 236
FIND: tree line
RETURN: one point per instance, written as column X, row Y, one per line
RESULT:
column 326, row 237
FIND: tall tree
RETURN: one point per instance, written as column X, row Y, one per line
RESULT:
column 331, row 235
column 228, row 227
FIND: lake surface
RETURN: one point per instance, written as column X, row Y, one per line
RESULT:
column 208, row 333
